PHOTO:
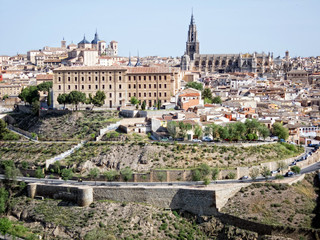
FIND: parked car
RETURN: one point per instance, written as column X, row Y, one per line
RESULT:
column 243, row 178
column 164, row 139
column 196, row 140
column 179, row 139
column 273, row 172
column 207, row 139
column 293, row 163
column 289, row 174
column 300, row 159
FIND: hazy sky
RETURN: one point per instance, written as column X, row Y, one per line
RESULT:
column 160, row 27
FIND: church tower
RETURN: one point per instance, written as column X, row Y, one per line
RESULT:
column 192, row 45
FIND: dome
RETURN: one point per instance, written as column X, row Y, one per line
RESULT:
column 84, row 41
column 96, row 39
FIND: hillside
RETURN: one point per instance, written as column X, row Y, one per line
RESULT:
column 142, row 156
column 54, row 219
column 55, row 126
column 279, row 204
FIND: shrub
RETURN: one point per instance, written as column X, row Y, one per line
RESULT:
column 296, row 169
column 231, row 175
column 279, row 176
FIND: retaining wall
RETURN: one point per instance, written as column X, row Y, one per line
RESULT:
column 200, row 201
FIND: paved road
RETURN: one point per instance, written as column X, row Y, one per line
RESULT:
column 311, row 168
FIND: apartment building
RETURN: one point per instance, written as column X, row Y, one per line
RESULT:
column 150, row 84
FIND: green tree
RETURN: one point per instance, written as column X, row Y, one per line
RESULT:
column 212, row 130
column 183, row 128
column 5, row 226
column 240, row 130
column 134, row 100
column 232, row 132
column 254, row 173
column 126, row 174
column 296, row 169
column 94, row 173
column 39, row 173
column 49, row 99
column 172, row 129
column 98, row 99
column 265, row 172
column 3, row 199
column 29, row 94
column 195, row 85
column 76, row 97
column 35, row 107
column 66, row 174
column 252, row 126
column 217, row 100
column 161, row 175
column 143, row 105
column 281, row 165
column 207, row 94
column 215, row 174
column 280, row 131
column 110, row 175
column 63, row 99
column 223, row 132
column 207, row 101
column 198, row 131
column 46, row 87
column 5, row 97
column 263, row 131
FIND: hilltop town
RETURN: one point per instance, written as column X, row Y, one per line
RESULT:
column 202, row 146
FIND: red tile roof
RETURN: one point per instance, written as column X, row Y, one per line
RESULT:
column 189, row 95
column 45, row 77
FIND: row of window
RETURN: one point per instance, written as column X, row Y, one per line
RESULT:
column 90, row 73
column 89, row 87
column 145, row 78
column 110, row 86
column 149, row 94
column 89, row 79
column 145, row 86
column 96, row 78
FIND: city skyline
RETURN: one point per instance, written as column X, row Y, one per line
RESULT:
column 161, row 28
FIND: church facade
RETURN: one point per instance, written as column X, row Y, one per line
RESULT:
column 259, row 63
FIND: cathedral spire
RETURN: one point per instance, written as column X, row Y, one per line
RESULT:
column 192, row 46
column 192, row 18
column 129, row 63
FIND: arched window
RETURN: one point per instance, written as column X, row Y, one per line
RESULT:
column 217, row 63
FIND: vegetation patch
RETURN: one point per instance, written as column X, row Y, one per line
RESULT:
column 278, row 204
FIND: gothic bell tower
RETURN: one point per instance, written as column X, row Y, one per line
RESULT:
column 192, row 45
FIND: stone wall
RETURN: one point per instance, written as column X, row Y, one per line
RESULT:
column 82, row 195
column 200, row 202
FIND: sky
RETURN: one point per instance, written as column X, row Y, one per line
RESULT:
column 160, row 27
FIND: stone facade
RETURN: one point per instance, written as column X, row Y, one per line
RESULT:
column 148, row 84
column 222, row 63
